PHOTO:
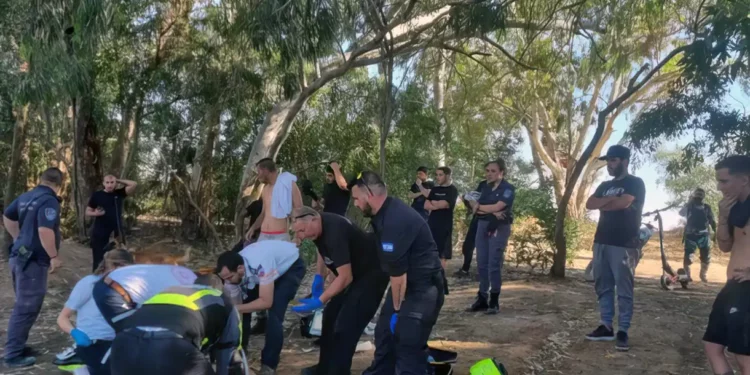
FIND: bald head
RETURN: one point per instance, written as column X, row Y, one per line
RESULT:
column 307, row 223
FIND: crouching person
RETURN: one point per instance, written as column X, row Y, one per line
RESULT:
column 174, row 331
column 91, row 333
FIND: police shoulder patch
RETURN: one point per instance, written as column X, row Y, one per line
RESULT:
column 508, row 193
column 50, row 213
column 387, row 247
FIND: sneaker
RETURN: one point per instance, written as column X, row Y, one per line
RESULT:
column 480, row 304
column 461, row 274
column 494, row 306
column 66, row 353
column 20, row 361
column 266, row 370
column 602, row 333
column 622, row 342
column 30, row 352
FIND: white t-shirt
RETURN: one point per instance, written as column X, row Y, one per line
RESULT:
column 88, row 318
column 266, row 261
column 143, row 281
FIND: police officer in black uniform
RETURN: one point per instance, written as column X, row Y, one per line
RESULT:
column 410, row 257
column 354, row 295
column 33, row 221
column 174, row 330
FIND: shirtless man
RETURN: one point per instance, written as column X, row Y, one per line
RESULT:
column 728, row 325
column 273, row 228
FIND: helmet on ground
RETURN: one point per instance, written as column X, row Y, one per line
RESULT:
column 488, row 366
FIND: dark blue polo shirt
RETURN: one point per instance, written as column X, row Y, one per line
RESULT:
column 406, row 244
column 112, row 205
column 32, row 210
column 505, row 192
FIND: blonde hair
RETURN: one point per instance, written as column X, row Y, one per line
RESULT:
column 114, row 259
column 163, row 252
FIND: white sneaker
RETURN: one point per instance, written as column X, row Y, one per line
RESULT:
column 67, row 353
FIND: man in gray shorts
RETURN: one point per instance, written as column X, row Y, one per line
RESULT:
column 620, row 205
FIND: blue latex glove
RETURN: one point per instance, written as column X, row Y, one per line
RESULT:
column 317, row 287
column 308, row 305
column 394, row 320
column 80, row 338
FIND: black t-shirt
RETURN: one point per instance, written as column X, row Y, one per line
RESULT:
column 620, row 228
column 406, row 244
column 336, row 199
column 111, row 203
column 418, row 202
column 343, row 243
column 443, row 219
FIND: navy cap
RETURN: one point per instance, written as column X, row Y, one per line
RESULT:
column 617, row 151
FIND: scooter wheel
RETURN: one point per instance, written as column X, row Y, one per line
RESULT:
column 666, row 282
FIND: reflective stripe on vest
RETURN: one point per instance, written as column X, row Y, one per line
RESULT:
column 194, row 301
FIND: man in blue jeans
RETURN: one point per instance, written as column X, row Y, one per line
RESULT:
column 277, row 269
column 620, row 203
column 33, row 221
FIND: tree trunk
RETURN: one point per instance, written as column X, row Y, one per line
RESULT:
column 88, row 159
column 201, row 184
column 11, row 185
column 438, row 100
column 128, row 129
column 560, row 258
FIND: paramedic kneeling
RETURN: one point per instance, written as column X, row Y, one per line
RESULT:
column 174, row 330
column 278, row 270
column 410, row 257
column 354, row 295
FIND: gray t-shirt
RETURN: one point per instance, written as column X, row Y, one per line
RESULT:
column 88, row 318
column 143, row 281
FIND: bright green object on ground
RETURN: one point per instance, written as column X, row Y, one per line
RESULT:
column 488, row 366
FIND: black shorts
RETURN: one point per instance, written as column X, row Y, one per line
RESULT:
column 729, row 322
column 444, row 241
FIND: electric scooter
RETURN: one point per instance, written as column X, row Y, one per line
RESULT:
column 669, row 278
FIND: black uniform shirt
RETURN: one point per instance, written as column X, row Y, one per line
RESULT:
column 38, row 208
column 443, row 219
column 406, row 244
column 112, row 205
column 336, row 199
column 343, row 243
column 505, row 192
column 418, row 202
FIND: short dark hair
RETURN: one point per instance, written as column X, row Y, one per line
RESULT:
column 232, row 261
column 267, row 164
column 423, row 169
column 737, row 164
column 52, row 176
column 499, row 162
column 329, row 169
column 445, row 170
column 369, row 180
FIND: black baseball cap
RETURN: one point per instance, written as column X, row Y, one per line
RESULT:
column 617, row 151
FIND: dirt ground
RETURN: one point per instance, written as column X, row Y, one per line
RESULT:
column 539, row 331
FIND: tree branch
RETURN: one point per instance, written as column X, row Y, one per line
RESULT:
column 506, row 53
column 467, row 54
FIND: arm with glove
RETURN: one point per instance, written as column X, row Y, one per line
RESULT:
column 320, row 295
column 63, row 320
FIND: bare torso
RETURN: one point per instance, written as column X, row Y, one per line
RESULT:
column 270, row 223
column 739, row 258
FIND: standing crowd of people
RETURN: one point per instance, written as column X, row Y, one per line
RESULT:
column 144, row 312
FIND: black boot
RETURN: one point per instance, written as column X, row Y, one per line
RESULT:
column 480, row 304
column 494, row 307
